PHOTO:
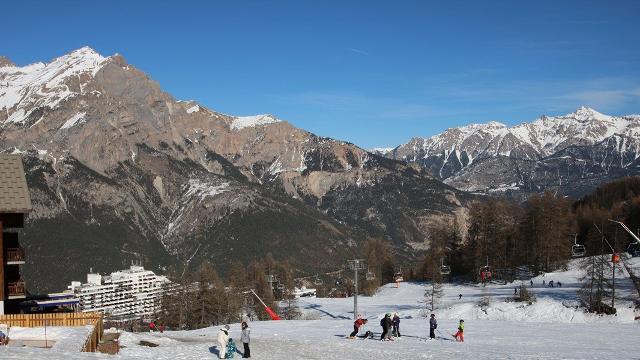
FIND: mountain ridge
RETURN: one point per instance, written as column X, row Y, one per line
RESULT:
column 467, row 157
column 135, row 175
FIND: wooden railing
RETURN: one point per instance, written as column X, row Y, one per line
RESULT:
column 15, row 254
column 91, row 344
column 58, row 319
column 16, row 288
column 61, row 319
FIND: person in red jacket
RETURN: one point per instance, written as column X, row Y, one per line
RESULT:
column 356, row 327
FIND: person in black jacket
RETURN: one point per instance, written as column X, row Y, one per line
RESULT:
column 386, row 324
column 433, row 325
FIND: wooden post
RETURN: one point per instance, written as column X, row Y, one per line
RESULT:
column 2, row 279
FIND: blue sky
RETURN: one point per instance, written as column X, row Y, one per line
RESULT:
column 374, row 73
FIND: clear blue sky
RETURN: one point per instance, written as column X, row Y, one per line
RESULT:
column 371, row 72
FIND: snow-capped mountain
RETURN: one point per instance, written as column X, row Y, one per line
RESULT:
column 120, row 170
column 570, row 153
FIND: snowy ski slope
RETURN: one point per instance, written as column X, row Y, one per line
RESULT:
column 504, row 330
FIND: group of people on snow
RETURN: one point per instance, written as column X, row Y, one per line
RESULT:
column 393, row 323
column 226, row 346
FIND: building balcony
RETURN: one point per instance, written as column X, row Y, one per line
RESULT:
column 15, row 256
column 17, row 290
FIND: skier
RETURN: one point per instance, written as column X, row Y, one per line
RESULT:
column 433, row 325
column 245, row 339
column 152, row 326
column 356, row 327
column 459, row 296
column 223, row 338
column 460, row 334
column 531, row 281
column 396, row 325
column 231, row 349
column 559, row 284
column 386, row 324
column 515, row 291
column 551, row 283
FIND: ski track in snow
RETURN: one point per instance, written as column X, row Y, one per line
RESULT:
column 545, row 330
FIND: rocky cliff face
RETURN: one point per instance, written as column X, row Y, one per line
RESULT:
column 571, row 154
column 120, row 170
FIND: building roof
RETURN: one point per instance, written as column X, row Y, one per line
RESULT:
column 14, row 193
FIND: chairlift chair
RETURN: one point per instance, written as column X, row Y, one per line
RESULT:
column 398, row 276
column 578, row 250
column 485, row 273
column 370, row 275
column 318, row 281
column 445, row 270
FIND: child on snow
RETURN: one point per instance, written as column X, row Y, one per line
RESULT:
column 223, row 339
column 433, row 325
column 460, row 334
column 356, row 327
column 396, row 325
column 231, row 349
column 386, row 324
column 245, row 339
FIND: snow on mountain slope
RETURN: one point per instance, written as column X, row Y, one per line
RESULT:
column 242, row 122
column 583, row 148
column 24, row 89
column 545, row 135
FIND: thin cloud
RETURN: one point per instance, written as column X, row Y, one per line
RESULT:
column 358, row 51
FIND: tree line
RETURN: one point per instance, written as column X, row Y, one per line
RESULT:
column 537, row 234
column 202, row 298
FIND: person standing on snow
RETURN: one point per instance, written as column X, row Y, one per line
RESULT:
column 396, row 325
column 223, row 339
column 386, row 324
column 433, row 325
column 531, row 282
column 460, row 334
column 356, row 327
column 459, row 296
column 244, row 338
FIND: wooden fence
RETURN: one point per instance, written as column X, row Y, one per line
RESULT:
column 60, row 319
column 91, row 345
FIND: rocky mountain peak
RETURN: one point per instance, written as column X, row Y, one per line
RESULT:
column 584, row 113
column 4, row 61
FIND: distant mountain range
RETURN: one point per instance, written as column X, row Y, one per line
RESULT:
column 119, row 171
column 570, row 154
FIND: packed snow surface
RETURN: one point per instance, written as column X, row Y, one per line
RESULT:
column 551, row 328
column 252, row 121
